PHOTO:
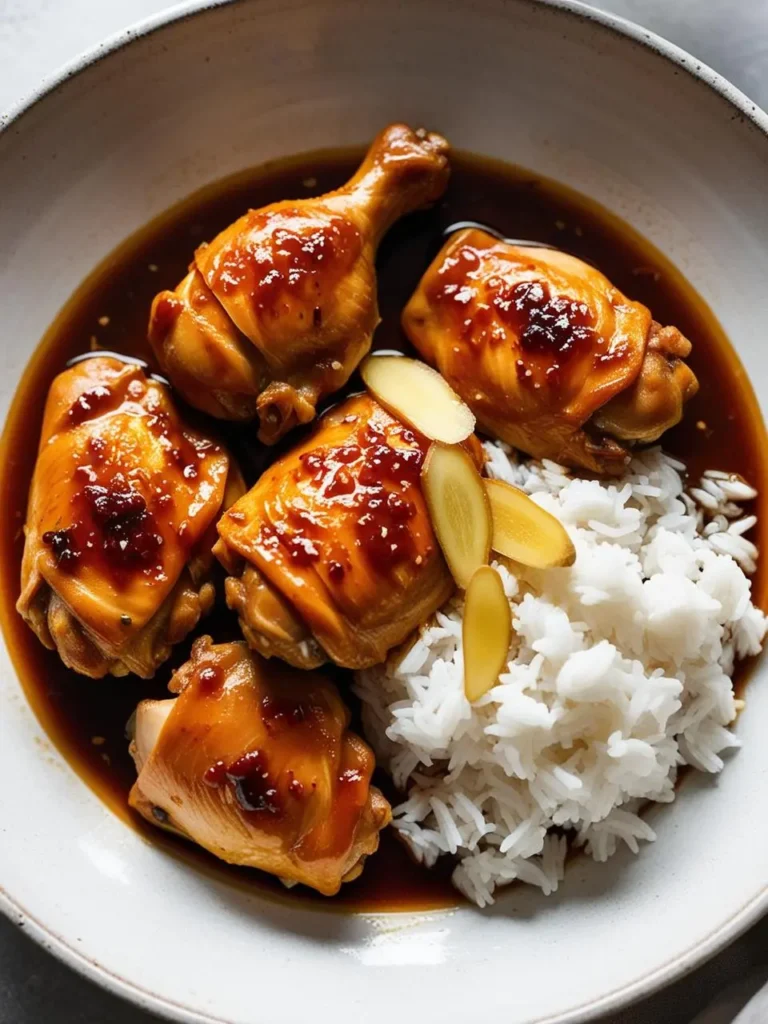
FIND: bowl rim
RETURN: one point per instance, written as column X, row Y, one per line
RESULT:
column 742, row 919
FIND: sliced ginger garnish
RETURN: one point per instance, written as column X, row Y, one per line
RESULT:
column 524, row 532
column 486, row 631
column 459, row 510
column 419, row 396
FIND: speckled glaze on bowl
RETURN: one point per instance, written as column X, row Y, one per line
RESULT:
column 579, row 96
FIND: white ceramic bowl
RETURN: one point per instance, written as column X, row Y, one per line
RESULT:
column 582, row 97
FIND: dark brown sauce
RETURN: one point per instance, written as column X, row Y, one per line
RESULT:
column 86, row 720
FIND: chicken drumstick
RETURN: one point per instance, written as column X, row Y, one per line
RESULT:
column 278, row 310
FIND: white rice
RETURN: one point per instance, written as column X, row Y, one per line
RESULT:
column 619, row 672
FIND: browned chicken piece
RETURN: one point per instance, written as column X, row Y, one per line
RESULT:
column 256, row 763
column 121, row 521
column 332, row 554
column 278, row 310
column 550, row 357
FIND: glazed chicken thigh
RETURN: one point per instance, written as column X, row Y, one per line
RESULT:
column 550, row 357
column 120, row 521
column 278, row 310
column 331, row 554
column 255, row 762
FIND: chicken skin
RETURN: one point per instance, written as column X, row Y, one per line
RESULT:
column 331, row 553
column 120, row 522
column 278, row 310
column 256, row 763
column 550, row 357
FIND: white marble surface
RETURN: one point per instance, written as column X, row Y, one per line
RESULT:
column 36, row 37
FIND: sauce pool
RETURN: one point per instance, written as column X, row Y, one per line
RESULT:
column 86, row 719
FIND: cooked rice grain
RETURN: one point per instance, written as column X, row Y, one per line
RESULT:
column 619, row 672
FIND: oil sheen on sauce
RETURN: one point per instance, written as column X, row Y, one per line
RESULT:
column 86, row 719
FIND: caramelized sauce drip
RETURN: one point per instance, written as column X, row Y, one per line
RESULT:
column 278, row 261
column 386, row 475
column 552, row 326
column 372, row 475
column 65, row 547
column 90, row 404
column 255, row 790
column 263, row 792
column 127, row 527
column 117, row 523
column 210, row 680
column 548, row 325
column 86, row 720
column 280, row 714
column 112, row 525
column 102, row 509
column 552, row 331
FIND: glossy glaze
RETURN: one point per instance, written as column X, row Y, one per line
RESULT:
column 255, row 762
column 542, row 345
column 87, row 721
column 338, row 533
column 122, row 505
column 278, row 309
